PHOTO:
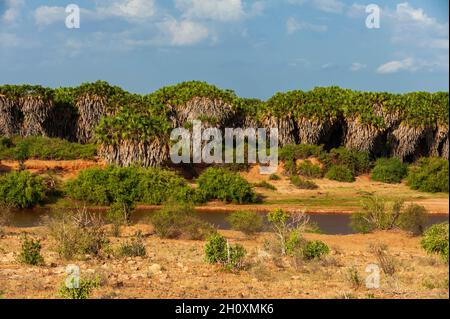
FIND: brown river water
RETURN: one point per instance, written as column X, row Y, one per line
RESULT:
column 332, row 224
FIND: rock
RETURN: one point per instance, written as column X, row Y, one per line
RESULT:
column 155, row 269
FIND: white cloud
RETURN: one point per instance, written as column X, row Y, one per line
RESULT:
column 12, row 11
column 412, row 65
column 330, row 6
column 183, row 33
column 356, row 66
column 221, row 10
column 293, row 25
column 46, row 15
column 140, row 9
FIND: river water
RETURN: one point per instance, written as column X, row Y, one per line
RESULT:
column 332, row 224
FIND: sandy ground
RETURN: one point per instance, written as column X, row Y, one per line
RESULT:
column 176, row 269
column 331, row 197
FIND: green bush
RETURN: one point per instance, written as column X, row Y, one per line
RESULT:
column 30, row 253
column 389, row 170
column 218, row 183
column 246, row 222
column 218, row 251
column 340, row 173
column 308, row 169
column 315, row 249
column 83, row 291
column 429, row 175
column 356, row 161
column 413, row 219
column 133, row 248
column 303, row 183
column 274, row 177
column 127, row 185
column 21, row 189
column 436, row 241
column 45, row 148
column 294, row 152
column 266, row 185
column 175, row 221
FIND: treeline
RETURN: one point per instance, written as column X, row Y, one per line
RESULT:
column 132, row 128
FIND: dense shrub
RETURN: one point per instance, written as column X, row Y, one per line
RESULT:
column 218, row 251
column 436, row 241
column 127, row 185
column 175, row 221
column 429, row 175
column 30, row 253
column 246, row 222
column 308, row 169
column 315, row 249
column 294, row 152
column 340, row 173
column 356, row 161
column 389, row 170
column 78, row 290
column 45, row 148
column 218, row 183
column 303, row 183
column 21, row 189
column 377, row 215
column 133, row 248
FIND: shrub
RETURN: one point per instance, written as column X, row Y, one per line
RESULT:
column 389, row 170
column 218, row 251
column 340, row 173
column 436, row 241
column 413, row 219
column 315, row 249
column 175, row 221
column 266, row 185
column 119, row 214
column 127, row 185
column 218, row 183
column 308, row 169
column 353, row 277
column 356, row 161
column 80, row 290
column 429, row 175
column 385, row 260
column 31, row 252
column 303, row 183
column 294, row 152
column 274, row 177
column 290, row 167
column 133, row 248
column 246, row 222
column 77, row 234
column 21, row 189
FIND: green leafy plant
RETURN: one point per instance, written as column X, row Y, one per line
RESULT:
column 219, row 251
column 303, row 183
column 340, row 173
column 30, row 253
column 83, row 291
column 429, row 175
column 274, row 177
column 266, row 185
column 133, row 248
column 21, row 189
column 308, row 169
column 247, row 222
column 389, row 170
column 436, row 240
column 315, row 249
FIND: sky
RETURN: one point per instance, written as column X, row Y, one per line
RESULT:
column 254, row 47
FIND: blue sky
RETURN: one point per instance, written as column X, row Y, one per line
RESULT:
column 255, row 47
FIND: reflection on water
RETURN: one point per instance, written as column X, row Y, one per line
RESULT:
column 332, row 224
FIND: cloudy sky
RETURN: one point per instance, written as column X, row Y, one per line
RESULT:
column 255, row 47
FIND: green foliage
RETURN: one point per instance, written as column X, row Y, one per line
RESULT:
column 389, row 170
column 292, row 152
column 21, row 189
column 83, row 291
column 218, row 183
column 218, row 251
column 356, row 161
column 45, row 148
column 30, row 253
column 308, row 169
column 246, row 222
column 436, row 241
column 429, row 175
column 175, row 221
column 413, row 219
column 315, row 249
column 274, row 177
column 340, row 173
column 127, row 185
column 133, row 248
column 303, row 183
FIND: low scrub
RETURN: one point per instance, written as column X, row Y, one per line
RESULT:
column 219, row 251
column 340, row 173
column 221, row 184
column 247, row 222
column 308, row 169
column 436, row 241
column 389, row 170
column 179, row 221
column 429, row 175
column 78, row 289
column 30, row 253
column 45, row 148
column 385, row 260
column 21, row 189
column 294, row 152
column 302, row 183
column 266, row 185
column 133, row 248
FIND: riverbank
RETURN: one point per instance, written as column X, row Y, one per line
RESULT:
column 176, row 269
